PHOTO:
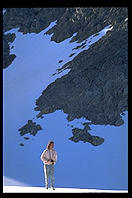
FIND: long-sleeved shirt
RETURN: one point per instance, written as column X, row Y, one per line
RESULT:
column 47, row 155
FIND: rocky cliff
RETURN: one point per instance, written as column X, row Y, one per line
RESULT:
column 97, row 85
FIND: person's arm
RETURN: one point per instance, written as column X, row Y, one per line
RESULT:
column 43, row 157
column 55, row 157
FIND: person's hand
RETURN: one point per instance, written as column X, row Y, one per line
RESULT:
column 52, row 161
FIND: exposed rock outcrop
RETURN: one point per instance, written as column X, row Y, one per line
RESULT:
column 31, row 128
column 97, row 85
column 27, row 20
column 7, row 57
column 21, row 144
column 84, row 21
column 83, row 135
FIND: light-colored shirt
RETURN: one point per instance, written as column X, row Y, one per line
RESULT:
column 47, row 155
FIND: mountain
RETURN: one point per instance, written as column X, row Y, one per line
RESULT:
column 65, row 79
column 96, row 87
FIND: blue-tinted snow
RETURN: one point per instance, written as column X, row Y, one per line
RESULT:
column 7, row 181
column 79, row 165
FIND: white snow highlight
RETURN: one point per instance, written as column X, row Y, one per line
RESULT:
column 17, row 189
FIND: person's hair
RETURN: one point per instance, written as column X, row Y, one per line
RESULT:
column 49, row 143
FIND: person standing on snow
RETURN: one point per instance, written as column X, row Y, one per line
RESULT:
column 49, row 158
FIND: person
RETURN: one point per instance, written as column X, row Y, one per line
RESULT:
column 49, row 158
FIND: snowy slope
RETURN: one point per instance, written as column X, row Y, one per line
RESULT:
column 18, row 189
column 37, row 59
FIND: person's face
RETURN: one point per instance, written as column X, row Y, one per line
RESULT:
column 51, row 145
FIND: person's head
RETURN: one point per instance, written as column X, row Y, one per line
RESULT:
column 50, row 145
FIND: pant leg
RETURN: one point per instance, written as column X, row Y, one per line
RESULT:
column 52, row 175
column 46, row 172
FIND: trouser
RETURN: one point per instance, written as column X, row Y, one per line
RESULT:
column 49, row 174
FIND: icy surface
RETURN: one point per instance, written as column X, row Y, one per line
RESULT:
column 80, row 165
column 17, row 189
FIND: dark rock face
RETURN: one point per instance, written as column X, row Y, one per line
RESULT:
column 30, row 19
column 7, row 57
column 27, row 20
column 21, row 144
column 83, row 135
column 84, row 21
column 80, row 46
column 60, row 61
column 71, row 54
column 97, row 85
column 31, row 128
column 95, row 88
column 26, row 138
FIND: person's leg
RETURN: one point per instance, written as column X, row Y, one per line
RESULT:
column 46, row 171
column 52, row 176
